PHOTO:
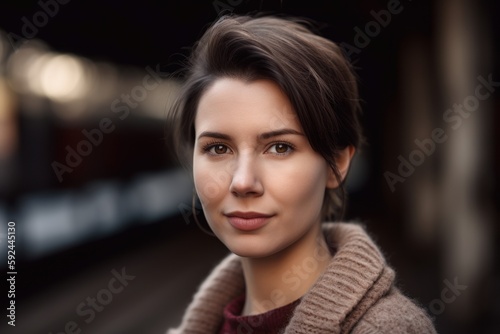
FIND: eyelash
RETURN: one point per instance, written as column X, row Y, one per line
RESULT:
column 291, row 147
column 208, row 146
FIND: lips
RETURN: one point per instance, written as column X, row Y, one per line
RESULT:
column 247, row 221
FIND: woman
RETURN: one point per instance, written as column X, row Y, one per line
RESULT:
column 268, row 116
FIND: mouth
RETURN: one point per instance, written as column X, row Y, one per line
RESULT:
column 248, row 221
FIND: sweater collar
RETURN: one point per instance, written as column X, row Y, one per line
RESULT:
column 356, row 277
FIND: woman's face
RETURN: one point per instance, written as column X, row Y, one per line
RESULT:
column 260, row 183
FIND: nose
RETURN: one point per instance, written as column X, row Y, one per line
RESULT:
column 246, row 181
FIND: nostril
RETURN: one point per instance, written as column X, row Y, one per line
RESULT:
column 245, row 178
column 245, row 189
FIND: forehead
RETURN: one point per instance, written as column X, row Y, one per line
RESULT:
column 237, row 105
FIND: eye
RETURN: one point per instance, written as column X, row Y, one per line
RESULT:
column 216, row 149
column 220, row 149
column 281, row 149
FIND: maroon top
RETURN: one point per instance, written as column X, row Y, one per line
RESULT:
column 272, row 321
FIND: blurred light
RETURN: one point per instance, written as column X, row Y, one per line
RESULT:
column 62, row 78
column 8, row 128
column 55, row 221
column 157, row 195
column 87, row 99
column 47, row 224
column 6, row 100
column 24, row 63
column 160, row 100
column 77, row 87
column 104, row 80
column 33, row 71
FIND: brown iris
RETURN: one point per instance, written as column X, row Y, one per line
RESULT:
column 220, row 149
column 281, row 148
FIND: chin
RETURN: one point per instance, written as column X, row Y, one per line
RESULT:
column 251, row 254
column 250, row 248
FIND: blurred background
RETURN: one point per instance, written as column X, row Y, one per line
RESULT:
column 88, row 176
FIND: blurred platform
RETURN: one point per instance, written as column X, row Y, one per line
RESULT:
column 165, row 279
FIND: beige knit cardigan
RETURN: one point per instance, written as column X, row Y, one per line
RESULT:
column 355, row 294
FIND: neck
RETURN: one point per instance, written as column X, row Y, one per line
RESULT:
column 284, row 277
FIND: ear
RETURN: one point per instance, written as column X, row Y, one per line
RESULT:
column 343, row 161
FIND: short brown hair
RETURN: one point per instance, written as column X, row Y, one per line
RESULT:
column 311, row 71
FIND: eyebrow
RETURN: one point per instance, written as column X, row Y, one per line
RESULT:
column 212, row 134
column 262, row 136
column 267, row 135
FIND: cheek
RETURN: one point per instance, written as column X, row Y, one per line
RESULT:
column 302, row 183
column 210, row 182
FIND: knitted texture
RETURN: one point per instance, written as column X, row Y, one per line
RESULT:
column 355, row 294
